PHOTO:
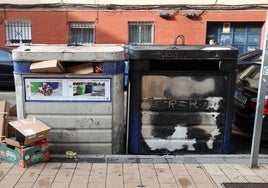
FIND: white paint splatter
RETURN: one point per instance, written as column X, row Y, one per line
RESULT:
column 214, row 102
column 214, row 133
column 179, row 87
column 178, row 140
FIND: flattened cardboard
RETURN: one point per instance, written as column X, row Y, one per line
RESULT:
column 27, row 131
column 25, row 157
column 50, row 66
column 85, row 68
column 4, row 109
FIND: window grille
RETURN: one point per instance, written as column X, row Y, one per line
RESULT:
column 141, row 32
column 82, row 33
column 18, row 32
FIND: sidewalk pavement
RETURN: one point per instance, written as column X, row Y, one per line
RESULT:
column 135, row 171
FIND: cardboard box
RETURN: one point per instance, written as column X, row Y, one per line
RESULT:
column 4, row 109
column 26, row 131
column 25, row 157
column 51, row 66
column 85, row 68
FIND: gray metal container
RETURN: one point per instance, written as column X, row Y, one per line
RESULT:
column 90, row 123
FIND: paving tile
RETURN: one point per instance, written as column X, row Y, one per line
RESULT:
column 149, row 185
column 213, row 169
column 96, row 185
column 79, row 181
column 9, row 181
column 198, row 175
column 247, row 173
column 98, row 173
column 61, row 185
column 262, row 172
column 64, row 176
column 164, row 174
column 148, row 174
column 216, row 174
column 4, row 165
column 51, row 169
column 181, row 175
column 114, row 176
column 17, row 170
column 205, row 185
column 218, row 180
column 68, row 165
column 244, row 169
column 133, row 185
column 3, row 172
column 232, row 173
column 38, row 165
column 23, row 185
column 43, row 181
column 131, row 173
column 168, row 185
column 82, row 169
column 30, row 175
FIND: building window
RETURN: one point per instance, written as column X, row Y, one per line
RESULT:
column 141, row 32
column 245, row 36
column 18, row 32
column 82, row 33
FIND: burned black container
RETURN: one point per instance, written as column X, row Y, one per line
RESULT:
column 181, row 98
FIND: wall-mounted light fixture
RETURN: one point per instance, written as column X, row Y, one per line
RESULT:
column 191, row 15
column 165, row 15
column 169, row 15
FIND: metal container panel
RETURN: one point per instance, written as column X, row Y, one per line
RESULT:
column 61, row 52
column 79, row 123
column 84, row 125
column 181, row 98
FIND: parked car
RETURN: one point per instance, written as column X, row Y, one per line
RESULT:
column 245, row 98
column 246, row 59
column 6, row 69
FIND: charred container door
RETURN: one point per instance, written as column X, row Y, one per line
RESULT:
column 181, row 99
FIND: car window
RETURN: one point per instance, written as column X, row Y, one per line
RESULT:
column 5, row 56
column 250, row 77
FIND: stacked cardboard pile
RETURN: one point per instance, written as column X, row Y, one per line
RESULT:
column 4, row 109
column 55, row 66
column 23, row 142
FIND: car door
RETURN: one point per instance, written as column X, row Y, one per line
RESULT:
column 6, row 69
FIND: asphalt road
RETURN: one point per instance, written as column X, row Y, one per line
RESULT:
column 240, row 142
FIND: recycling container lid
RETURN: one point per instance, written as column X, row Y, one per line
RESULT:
column 61, row 52
column 182, row 52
